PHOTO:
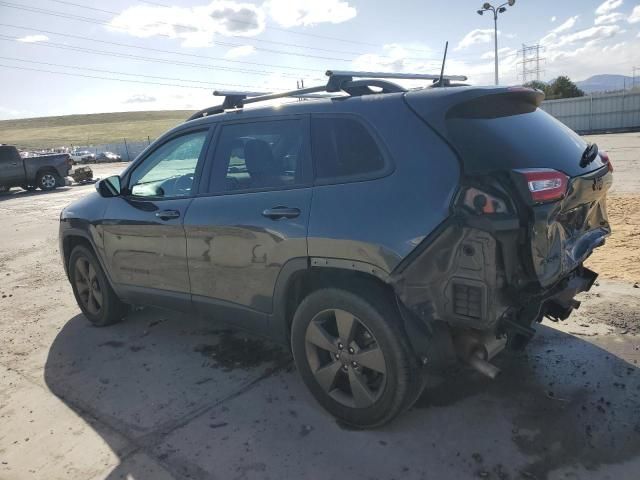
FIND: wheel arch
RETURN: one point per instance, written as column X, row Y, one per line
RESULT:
column 302, row 276
column 46, row 169
column 75, row 238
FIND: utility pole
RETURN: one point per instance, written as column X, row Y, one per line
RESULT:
column 633, row 84
column 487, row 7
column 531, row 54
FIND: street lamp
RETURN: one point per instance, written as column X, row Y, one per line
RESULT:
column 487, row 7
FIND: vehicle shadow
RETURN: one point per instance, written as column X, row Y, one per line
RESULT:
column 568, row 401
column 142, row 378
column 20, row 193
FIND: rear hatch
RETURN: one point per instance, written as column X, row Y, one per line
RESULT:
column 502, row 133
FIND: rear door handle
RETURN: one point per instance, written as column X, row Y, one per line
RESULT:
column 277, row 213
column 168, row 214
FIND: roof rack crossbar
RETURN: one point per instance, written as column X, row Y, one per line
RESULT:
column 291, row 93
column 397, row 76
column 339, row 81
column 225, row 93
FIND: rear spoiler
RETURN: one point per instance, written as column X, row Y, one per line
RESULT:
column 439, row 104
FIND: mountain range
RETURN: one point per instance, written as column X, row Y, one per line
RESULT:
column 607, row 83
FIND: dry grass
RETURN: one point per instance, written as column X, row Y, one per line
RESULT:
column 619, row 259
column 88, row 129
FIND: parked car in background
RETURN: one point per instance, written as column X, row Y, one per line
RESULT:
column 105, row 157
column 44, row 171
column 83, row 156
column 384, row 236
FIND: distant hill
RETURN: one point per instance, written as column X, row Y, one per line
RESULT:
column 47, row 132
column 606, row 83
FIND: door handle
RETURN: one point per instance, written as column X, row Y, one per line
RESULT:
column 168, row 214
column 277, row 213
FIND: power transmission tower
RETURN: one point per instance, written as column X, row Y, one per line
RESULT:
column 530, row 62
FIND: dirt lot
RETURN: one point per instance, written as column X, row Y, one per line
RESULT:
column 164, row 395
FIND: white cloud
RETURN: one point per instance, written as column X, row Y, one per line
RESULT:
column 140, row 98
column 608, row 6
column 577, row 60
column 567, row 25
column 290, row 13
column 195, row 26
column 635, row 15
column 502, row 52
column 33, row 38
column 553, row 19
column 614, row 17
column 592, row 34
column 241, row 51
column 474, row 37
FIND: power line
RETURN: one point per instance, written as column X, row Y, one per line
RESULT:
column 216, row 42
column 59, row 65
column 146, row 59
column 306, row 34
column 104, row 78
column 251, row 39
column 159, row 50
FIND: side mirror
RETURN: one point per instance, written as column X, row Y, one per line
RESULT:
column 109, row 187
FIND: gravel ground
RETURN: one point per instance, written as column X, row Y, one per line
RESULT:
column 165, row 395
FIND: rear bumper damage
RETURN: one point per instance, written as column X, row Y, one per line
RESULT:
column 471, row 292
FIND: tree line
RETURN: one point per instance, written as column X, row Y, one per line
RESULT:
column 561, row 87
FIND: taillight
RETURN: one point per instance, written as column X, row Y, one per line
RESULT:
column 545, row 185
column 605, row 159
column 483, row 203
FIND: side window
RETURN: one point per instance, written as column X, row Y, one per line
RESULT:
column 259, row 155
column 169, row 170
column 343, row 147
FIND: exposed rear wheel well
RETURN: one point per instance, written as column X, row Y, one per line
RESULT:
column 307, row 281
column 44, row 170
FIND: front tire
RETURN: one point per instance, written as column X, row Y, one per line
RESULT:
column 354, row 357
column 92, row 290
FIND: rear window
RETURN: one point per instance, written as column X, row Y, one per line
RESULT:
column 8, row 153
column 343, row 148
column 526, row 140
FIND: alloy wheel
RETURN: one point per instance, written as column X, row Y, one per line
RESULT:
column 345, row 358
column 88, row 286
column 48, row 180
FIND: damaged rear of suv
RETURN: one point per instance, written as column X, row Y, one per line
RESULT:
column 383, row 234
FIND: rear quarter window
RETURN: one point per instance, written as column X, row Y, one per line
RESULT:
column 345, row 150
column 532, row 139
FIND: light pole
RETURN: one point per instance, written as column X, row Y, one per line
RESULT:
column 487, row 7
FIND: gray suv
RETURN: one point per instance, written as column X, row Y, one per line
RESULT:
column 382, row 233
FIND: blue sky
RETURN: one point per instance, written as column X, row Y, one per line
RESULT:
column 60, row 57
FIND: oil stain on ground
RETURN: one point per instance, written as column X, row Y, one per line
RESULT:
column 236, row 352
column 572, row 404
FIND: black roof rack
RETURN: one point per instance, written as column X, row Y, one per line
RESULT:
column 339, row 81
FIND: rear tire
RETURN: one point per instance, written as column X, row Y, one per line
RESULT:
column 48, row 180
column 366, row 378
column 92, row 290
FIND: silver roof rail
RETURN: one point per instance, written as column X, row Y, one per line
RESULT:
column 226, row 93
column 339, row 81
column 396, row 76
